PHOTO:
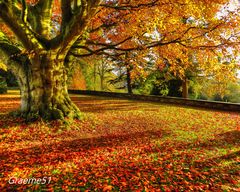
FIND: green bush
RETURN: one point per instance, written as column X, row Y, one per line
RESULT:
column 3, row 85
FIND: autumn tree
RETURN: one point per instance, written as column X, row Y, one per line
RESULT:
column 130, row 68
column 182, row 33
column 38, row 60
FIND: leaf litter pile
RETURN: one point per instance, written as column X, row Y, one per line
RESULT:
column 122, row 145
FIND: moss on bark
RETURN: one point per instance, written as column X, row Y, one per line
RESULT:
column 44, row 92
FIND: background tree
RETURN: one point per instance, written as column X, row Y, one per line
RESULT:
column 201, row 32
column 129, row 67
column 104, row 71
column 3, row 84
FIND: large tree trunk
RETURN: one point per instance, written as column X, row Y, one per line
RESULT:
column 44, row 89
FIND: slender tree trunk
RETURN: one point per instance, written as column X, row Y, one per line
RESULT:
column 94, row 76
column 185, row 88
column 101, row 82
column 102, row 76
column 44, row 90
column 129, row 81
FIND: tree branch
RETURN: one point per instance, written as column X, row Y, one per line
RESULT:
column 66, row 13
column 210, row 46
column 10, row 50
column 22, row 31
column 76, row 26
column 107, row 44
column 24, row 11
column 43, row 14
column 128, row 6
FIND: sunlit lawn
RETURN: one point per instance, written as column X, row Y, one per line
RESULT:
column 122, row 145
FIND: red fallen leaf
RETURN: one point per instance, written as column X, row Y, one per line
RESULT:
column 124, row 184
column 233, row 182
column 108, row 188
column 110, row 149
column 166, row 188
column 146, row 189
column 169, row 166
column 171, row 172
column 206, row 173
column 153, row 178
column 191, row 188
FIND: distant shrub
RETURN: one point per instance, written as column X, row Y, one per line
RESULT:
column 9, row 78
column 3, row 85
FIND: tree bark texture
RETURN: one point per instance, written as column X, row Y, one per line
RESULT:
column 129, row 80
column 44, row 89
column 185, row 88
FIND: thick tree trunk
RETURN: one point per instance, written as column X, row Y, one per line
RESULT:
column 44, row 90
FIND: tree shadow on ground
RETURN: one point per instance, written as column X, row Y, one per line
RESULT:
column 8, row 121
column 224, row 141
column 110, row 141
column 68, row 149
column 98, row 105
column 85, row 104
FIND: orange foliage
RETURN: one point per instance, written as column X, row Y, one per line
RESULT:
column 77, row 80
column 176, row 31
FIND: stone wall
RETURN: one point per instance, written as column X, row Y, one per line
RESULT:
column 169, row 100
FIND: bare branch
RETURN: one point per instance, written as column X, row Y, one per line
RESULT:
column 22, row 31
column 24, row 11
column 43, row 14
column 128, row 6
column 66, row 13
column 220, row 45
column 76, row 26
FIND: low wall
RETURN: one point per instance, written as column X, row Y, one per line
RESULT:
column 169, row 100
